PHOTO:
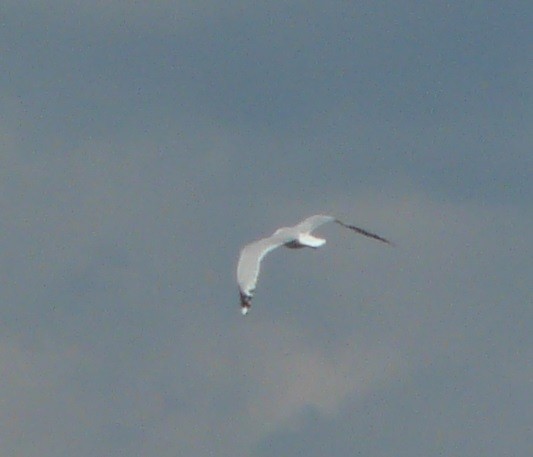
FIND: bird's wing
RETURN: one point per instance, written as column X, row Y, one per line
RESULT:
column 363, row 232
column 313, row 222
column 250, row 260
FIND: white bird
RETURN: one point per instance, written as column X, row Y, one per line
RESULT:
column 298, row 236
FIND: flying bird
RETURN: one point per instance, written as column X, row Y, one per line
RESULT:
column 295, row 237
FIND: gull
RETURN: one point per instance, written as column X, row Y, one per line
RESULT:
column 295, row 237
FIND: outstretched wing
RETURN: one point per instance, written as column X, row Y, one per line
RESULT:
column 313, row 222
column 249, row 264
column 363, row 232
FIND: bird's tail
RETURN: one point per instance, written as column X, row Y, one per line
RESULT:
column 311, row 241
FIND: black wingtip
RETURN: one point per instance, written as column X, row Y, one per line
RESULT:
column 246, row 303
column 365, row 232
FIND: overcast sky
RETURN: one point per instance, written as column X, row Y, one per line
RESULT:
column 142, row 143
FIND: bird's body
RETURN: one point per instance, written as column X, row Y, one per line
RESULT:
column 298, row 236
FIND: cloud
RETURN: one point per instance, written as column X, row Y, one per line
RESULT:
column 142, row 144
column 293, row 373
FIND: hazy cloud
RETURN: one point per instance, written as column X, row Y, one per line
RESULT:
column 142, row 144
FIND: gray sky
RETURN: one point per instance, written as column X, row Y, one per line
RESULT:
column 142, row 143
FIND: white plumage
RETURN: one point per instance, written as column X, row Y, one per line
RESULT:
column 298, row 236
